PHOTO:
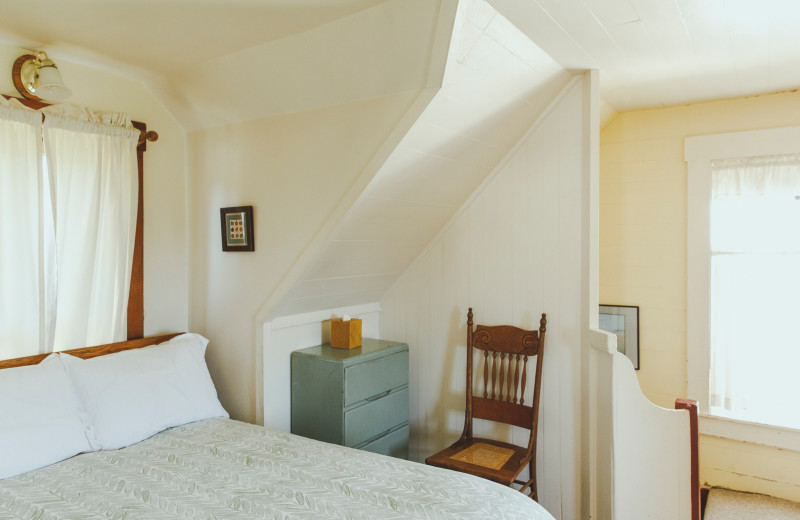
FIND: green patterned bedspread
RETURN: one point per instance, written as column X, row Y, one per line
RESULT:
column 224, row 469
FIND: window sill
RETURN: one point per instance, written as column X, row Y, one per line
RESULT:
column 756, row 433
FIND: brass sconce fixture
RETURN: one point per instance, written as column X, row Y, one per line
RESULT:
column 36, row 77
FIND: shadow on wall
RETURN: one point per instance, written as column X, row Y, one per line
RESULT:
column 442, row 432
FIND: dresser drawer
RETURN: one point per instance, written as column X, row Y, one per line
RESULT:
column 355, row 397
column 368, row 379
column 394, row 444
column 375, row 417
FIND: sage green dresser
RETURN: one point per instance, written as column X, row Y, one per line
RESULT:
column 356, row 398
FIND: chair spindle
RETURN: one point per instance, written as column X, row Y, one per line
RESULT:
column 485, row 373
column 494, row 374
column 516, row 377
column 503, row 377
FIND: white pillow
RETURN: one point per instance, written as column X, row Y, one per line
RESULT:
column 129, row 396
column 40, row 422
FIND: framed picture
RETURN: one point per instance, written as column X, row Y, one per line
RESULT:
column 237, row 228
column 623, row 320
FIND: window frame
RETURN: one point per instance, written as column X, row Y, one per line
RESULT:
column 699, row 152
column 136, row 295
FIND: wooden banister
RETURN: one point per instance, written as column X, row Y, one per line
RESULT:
column 691, row 406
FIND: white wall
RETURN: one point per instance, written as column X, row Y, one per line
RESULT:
column 295, row 170
column 284, row 335
column 652, row 453
column 513, row 251
column 165, row 250
column 496, row 83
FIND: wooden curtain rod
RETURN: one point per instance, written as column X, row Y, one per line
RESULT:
column 146, row 135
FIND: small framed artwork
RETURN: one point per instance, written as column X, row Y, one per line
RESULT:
column 623, row 320
column 237, row 228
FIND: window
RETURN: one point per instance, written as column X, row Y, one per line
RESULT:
column 743, row 294
column 70, row 221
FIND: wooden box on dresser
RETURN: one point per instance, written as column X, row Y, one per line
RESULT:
column 356, row 398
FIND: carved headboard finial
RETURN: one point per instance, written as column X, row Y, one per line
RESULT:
column 542, row 324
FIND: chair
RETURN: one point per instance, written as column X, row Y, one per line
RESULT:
column 506, row 350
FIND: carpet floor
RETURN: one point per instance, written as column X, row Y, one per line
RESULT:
column 724, row 504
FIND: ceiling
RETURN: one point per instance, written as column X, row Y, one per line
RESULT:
column 650, row 52
column 666, row 52
column 165, row 36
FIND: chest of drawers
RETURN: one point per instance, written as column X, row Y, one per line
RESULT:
column 356, row 398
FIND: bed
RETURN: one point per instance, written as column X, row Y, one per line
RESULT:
column 214, row 467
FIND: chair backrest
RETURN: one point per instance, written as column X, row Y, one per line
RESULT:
column 505, row 351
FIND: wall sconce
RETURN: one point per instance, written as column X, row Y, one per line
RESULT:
column 37, row 78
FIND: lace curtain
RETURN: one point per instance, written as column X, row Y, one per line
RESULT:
column 755, row 288
column 86, row 206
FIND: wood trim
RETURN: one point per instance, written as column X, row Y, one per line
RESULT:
column 691, row 406
column 30, row 103
column 502, row 411
column 16, row 76
column 136, row 294
column 90, row 352
column 703, row 500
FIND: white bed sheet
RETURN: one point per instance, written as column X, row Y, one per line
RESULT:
column 225, row 469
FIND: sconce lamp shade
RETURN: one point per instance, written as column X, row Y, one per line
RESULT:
column 38, row 78
column 50, row 85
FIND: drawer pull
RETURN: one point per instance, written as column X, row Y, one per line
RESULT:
column 376, row 397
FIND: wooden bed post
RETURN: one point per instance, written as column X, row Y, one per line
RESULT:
column 691, row 406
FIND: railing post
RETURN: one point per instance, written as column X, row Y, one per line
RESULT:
column 691, row 406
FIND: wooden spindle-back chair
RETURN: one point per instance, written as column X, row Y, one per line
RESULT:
column 506, row 350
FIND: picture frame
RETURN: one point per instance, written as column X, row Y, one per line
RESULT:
column 236, row 224
column 623, row 321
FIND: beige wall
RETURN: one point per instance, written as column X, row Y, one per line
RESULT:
column 294, row 169
column 165, row 260
column 643, row 259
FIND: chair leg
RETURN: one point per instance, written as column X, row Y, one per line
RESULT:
column 529, row 487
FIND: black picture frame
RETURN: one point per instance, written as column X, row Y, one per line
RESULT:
column 623, row 321
column 236, row 224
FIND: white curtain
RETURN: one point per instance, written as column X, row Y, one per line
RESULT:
column 92, row 165
column 755, row 295
column 22, row 326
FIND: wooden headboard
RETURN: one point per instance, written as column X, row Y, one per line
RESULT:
column 90, row 352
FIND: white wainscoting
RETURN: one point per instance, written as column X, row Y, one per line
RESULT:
column 284, row 335
column 513, row 251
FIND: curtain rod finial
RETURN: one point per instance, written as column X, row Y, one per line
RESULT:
column 151, row 136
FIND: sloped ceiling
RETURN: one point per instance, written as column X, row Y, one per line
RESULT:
column 372, row 53
column 168, row 36
column 213, row 63
column 496, row 84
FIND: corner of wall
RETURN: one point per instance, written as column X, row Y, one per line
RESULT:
column 284, row 335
